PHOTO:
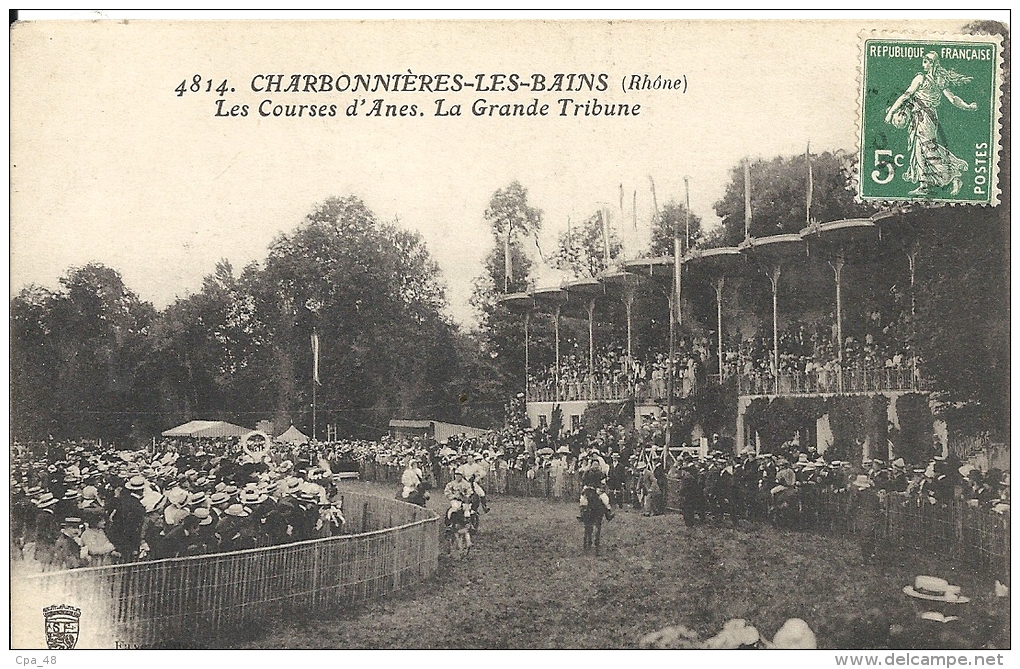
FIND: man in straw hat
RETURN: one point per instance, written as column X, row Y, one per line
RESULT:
column 126, row 517
column 68, row 553
column 867, row 509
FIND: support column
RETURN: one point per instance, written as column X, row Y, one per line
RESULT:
column 774, row 279
column 719, row 284
column 527, row 359
column 628, row 305
column 837, row 269
column 669, row 375
column 591, row 348
column 741, row 433
column 912, row 260
column 556, row 328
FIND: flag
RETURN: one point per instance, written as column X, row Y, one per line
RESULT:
column 634, row 209
column 315, row 357
column 747, row 198
column 810, row 181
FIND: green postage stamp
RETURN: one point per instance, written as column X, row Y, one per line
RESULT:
column 929, row 118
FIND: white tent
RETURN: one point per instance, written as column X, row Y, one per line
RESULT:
column 207, row 428
column 293, row 436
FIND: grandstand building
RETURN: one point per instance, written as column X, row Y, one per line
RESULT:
column 872, row 393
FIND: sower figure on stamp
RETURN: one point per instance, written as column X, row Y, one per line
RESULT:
column 931, row 162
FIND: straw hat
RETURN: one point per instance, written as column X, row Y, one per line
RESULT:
column 236, row 510
column 861, row 482
column 135, row 483
column 933, row 589
column 46, row 501
column 204, row 518
column 251, row 496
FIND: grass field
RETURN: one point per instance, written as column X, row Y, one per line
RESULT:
column 527, row 585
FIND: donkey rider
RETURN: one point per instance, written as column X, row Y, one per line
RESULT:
column 593, row 477
column 457, row 490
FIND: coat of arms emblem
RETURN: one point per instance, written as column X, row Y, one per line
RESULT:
column 61, row 626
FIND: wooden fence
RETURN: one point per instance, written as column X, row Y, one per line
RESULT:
column 173, row 601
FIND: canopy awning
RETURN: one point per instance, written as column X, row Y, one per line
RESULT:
column 438, row 430
column 207, row 428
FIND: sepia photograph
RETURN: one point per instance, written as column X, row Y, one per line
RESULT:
column 355, row 333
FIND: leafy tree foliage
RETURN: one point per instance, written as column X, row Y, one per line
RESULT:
column 779, row 195
column 510, row 215
column 582, row 250
column 74, row 356
column 672, row 220
column 93, row 360
column 500, row 332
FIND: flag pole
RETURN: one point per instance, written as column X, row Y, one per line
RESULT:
column 315, row 377
column 747, row 198
column 687, row 217
column 810, row 183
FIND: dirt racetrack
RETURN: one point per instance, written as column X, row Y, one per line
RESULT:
column 527, row 585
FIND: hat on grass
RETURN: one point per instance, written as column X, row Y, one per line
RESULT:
column 933, row 589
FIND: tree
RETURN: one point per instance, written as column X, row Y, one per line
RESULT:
column 583, row 250
column 500, row 333
column 373, row 294
column 33, row 363
column 779, row 195
column 208, row 352
column 74, row 356
column 672, row 220
column 511, row 219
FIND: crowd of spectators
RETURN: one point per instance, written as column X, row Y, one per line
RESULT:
column 613, row 375
column 808, row 360
column 77, row 504
column 83, row 503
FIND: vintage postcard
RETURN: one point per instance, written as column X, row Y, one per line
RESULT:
column 658, row 333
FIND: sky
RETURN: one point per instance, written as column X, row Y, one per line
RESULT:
column 109, row 164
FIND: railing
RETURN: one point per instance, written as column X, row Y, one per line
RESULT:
column 856, row 380
column 175, row 601
column 653, row 390
column 580, row 391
